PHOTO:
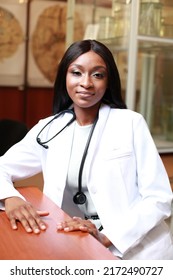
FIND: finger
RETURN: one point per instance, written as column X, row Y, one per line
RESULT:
column 18, row 216
column 81, row 227
column 34, row 220
column 13, row 223
column 73, row 224
column 62, row 225
column 77, row 218
column 68, row 226
column 65, row 223
column 26, row 223
column 42, row 213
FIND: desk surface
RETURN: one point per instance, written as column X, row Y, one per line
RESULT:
column 49, row 244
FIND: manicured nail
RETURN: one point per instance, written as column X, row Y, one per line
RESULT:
column 36, row 230
column 59, row 226
column 43, row 227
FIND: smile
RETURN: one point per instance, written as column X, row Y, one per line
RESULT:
column 85, row 93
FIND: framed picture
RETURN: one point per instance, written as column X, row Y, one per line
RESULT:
column 41, row 59
column 12, row 42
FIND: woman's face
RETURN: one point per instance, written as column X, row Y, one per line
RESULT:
column 87, row 80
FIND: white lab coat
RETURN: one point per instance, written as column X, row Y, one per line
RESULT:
column 125, row 177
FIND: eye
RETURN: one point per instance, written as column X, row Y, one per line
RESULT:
column 76, row 73
column 99, row 75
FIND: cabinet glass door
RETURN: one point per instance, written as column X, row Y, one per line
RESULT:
column 147, row 34
column 140, row 35
column 154, row 92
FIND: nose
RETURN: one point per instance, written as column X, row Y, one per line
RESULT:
column 86, row 81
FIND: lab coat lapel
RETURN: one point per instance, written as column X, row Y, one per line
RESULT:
column 97, row 135
column 57, row 163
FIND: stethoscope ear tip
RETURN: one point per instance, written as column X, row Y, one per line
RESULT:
column 45, row 146
column 42, row 144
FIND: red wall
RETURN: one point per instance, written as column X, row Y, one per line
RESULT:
column 28, row 105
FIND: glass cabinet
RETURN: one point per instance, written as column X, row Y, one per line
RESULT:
column 140, row 35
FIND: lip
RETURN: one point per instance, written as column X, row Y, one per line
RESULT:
column 85, row 93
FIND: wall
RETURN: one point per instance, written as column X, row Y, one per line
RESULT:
column 27, row 106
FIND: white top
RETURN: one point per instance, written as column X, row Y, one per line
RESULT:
column 80, row 137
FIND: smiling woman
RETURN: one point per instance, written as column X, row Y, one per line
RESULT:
column 100, row 166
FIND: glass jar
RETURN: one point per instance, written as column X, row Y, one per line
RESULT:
column 150, row 17
column 106, row 27
column 121, row 11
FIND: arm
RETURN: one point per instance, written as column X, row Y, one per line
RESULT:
column 153, row 202
column 20, row 161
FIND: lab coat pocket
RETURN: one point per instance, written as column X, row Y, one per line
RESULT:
column 117, row 153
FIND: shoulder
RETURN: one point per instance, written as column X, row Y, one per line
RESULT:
column 45, row 120
column 125, row 114
column 53, row 119
column 128, row 119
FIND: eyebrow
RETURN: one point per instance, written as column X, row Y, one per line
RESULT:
column 94, row 68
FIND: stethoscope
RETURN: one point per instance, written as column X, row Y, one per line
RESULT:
column 79, row 197
column 44, row 143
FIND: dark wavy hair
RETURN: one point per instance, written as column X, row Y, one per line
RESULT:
column 112, row 95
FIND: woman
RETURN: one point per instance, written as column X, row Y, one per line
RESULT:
column 98, row 160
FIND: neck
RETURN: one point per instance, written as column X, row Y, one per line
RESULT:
column 85, row 121
column 85, row 116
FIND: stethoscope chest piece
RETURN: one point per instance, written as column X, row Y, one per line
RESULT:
column 79, row 198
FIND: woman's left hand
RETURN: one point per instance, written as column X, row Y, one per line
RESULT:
column 77, row 223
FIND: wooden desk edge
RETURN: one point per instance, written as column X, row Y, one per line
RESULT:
column 37, row 197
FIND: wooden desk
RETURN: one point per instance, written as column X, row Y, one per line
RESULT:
column 168, row 163
column 49, row 244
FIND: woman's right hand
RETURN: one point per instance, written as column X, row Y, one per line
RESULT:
column 19, row 210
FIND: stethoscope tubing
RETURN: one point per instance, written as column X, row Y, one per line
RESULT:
column 44, row 143
column 79, row 197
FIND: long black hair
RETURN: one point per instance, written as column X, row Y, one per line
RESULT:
column 112, row 94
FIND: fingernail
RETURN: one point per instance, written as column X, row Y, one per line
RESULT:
column 29, row 230
column 14, row 227
column 43, row 227
column 36, row 230
column 59, row 227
